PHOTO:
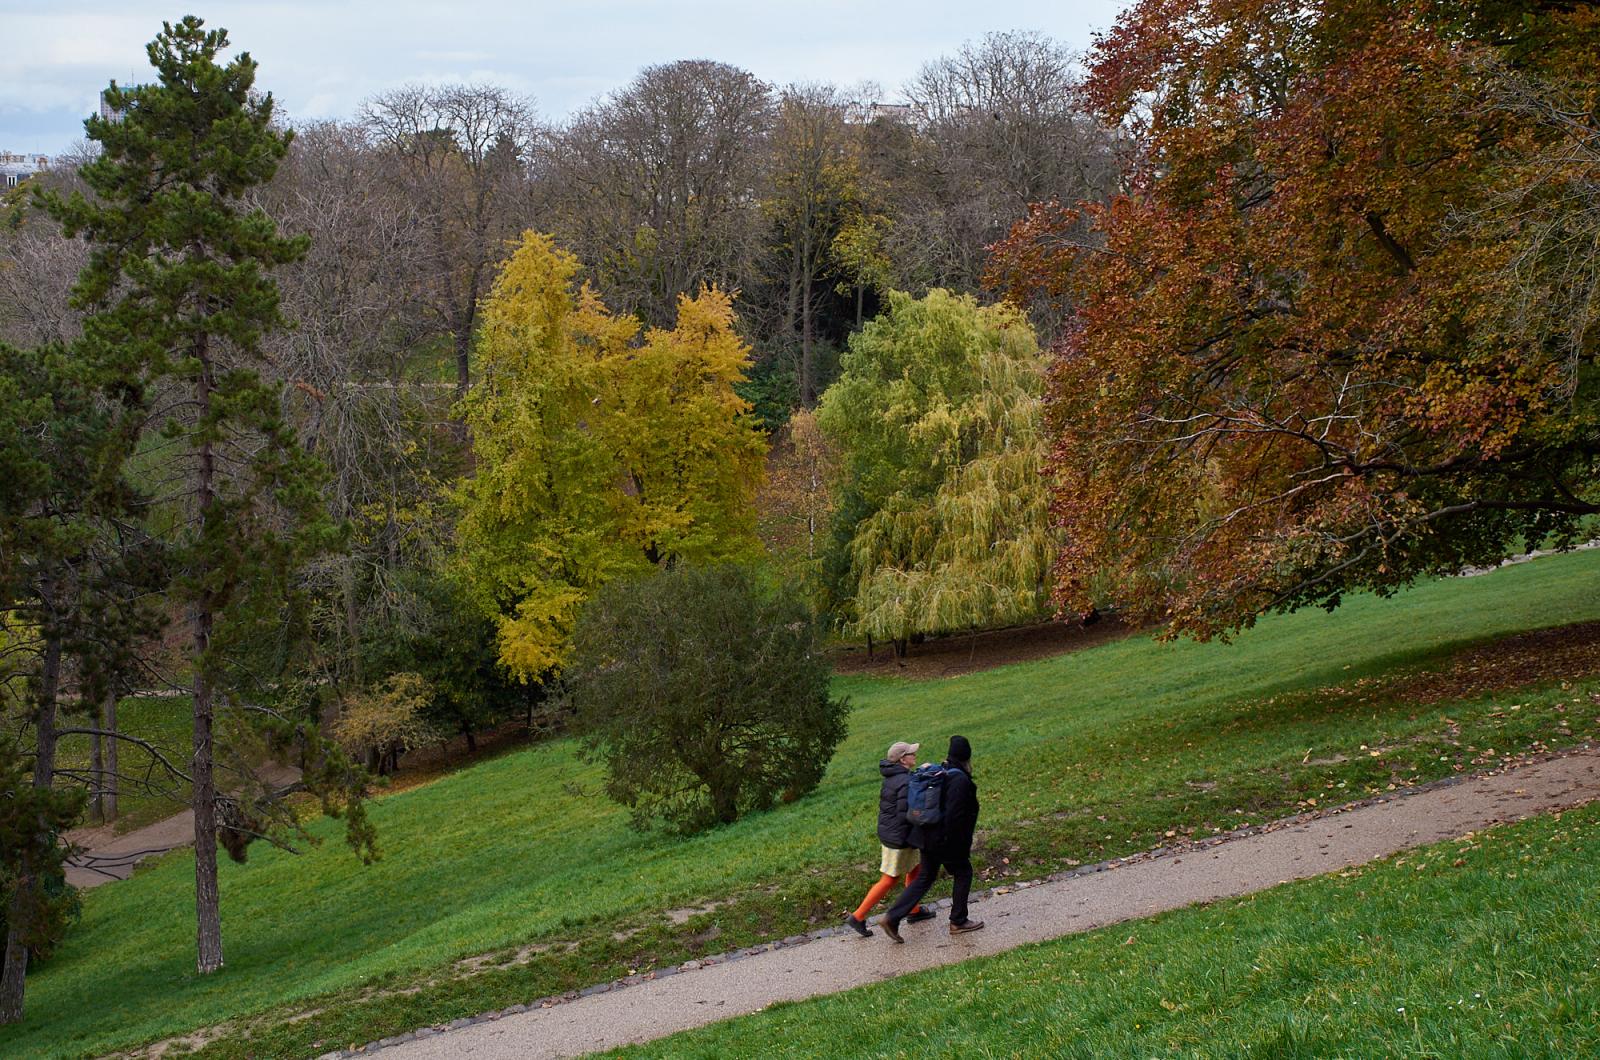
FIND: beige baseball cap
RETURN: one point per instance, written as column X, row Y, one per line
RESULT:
column 901, row 748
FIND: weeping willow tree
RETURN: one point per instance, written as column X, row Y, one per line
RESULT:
column 945, row 522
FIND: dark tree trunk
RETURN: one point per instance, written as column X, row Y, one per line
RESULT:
column 110, row 784
column 14, row 974
column 463, row 339
column 725, row 804
column 97, row 772
column 207, row 903
column 472, row 740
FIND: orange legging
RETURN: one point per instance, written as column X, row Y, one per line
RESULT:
column 881, row 888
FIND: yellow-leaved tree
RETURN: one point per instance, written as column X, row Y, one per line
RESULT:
column 598, row 451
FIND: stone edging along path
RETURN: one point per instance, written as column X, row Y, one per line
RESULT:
column 645, row 1007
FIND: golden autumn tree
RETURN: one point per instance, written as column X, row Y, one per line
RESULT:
column 599, row 451
column 942, row 522
column 1313, row 350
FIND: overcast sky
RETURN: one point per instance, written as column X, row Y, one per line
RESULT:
column 320, row 58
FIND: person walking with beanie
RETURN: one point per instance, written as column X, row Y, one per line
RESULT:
column 946, row 845
column 900, row 857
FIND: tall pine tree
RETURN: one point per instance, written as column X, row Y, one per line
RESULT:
column 180, row 276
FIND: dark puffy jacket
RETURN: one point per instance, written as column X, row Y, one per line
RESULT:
column 953, row 834
column 893, row 828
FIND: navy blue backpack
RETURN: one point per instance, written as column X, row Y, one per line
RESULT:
column 925, row 795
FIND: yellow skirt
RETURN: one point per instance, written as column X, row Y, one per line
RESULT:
column 899, row 862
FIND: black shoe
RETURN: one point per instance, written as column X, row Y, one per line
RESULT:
column 859, row 926
column 920, row 915
column 966, row 926
column 891, row 928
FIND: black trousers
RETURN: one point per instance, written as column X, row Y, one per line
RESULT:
column 958, row 863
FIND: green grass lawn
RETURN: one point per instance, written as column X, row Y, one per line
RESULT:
column 1478, row 948
column 1079, row 757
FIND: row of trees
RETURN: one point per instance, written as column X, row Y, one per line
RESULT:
column 389, row 519
column 805, row 205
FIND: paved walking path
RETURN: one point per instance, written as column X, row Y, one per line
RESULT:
column 105, row 856
column 611, row 1016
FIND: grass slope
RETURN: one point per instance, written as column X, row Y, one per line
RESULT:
column 1481, row 947
column 1079, row 757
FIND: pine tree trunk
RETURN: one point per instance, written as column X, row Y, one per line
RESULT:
column 97, row 772
column 207, row 906
column 13, row 975
column 110, row 784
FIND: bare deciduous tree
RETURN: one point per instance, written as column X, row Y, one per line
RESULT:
column 657, row 187
column 460, row 153
column 349, row 367
column 999, row 129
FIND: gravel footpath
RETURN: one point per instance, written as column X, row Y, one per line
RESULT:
column 639, row 1009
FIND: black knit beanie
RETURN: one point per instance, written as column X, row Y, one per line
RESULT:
column 960, row 749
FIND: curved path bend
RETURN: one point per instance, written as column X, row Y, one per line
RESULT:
column 608, row 1016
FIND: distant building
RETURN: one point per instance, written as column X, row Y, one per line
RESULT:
column 891, row 111
column 14, row 169
column 107, row 111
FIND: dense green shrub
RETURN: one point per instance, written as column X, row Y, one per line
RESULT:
column 704, row 693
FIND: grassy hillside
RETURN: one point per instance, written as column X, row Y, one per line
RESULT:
column 1078, row 757
column 1477, row 948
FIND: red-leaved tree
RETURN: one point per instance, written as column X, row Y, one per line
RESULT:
column 1301, row 359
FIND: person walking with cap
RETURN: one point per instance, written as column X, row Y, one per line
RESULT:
column 946, row 845
column 894, row 832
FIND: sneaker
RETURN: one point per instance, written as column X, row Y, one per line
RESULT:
column 891, row 929
column 858, row 926
column 966, row 926
column 920, row 915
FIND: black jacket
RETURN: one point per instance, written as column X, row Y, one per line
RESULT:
column 893, row 828
column 953, row 834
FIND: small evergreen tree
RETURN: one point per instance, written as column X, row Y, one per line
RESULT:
column 705, row 695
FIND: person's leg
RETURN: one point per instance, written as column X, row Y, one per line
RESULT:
column 960, row 869
column 874, row 896
column 911, row 897
column 911, row 877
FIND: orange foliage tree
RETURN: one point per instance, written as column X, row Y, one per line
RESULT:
column 1300, row 362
